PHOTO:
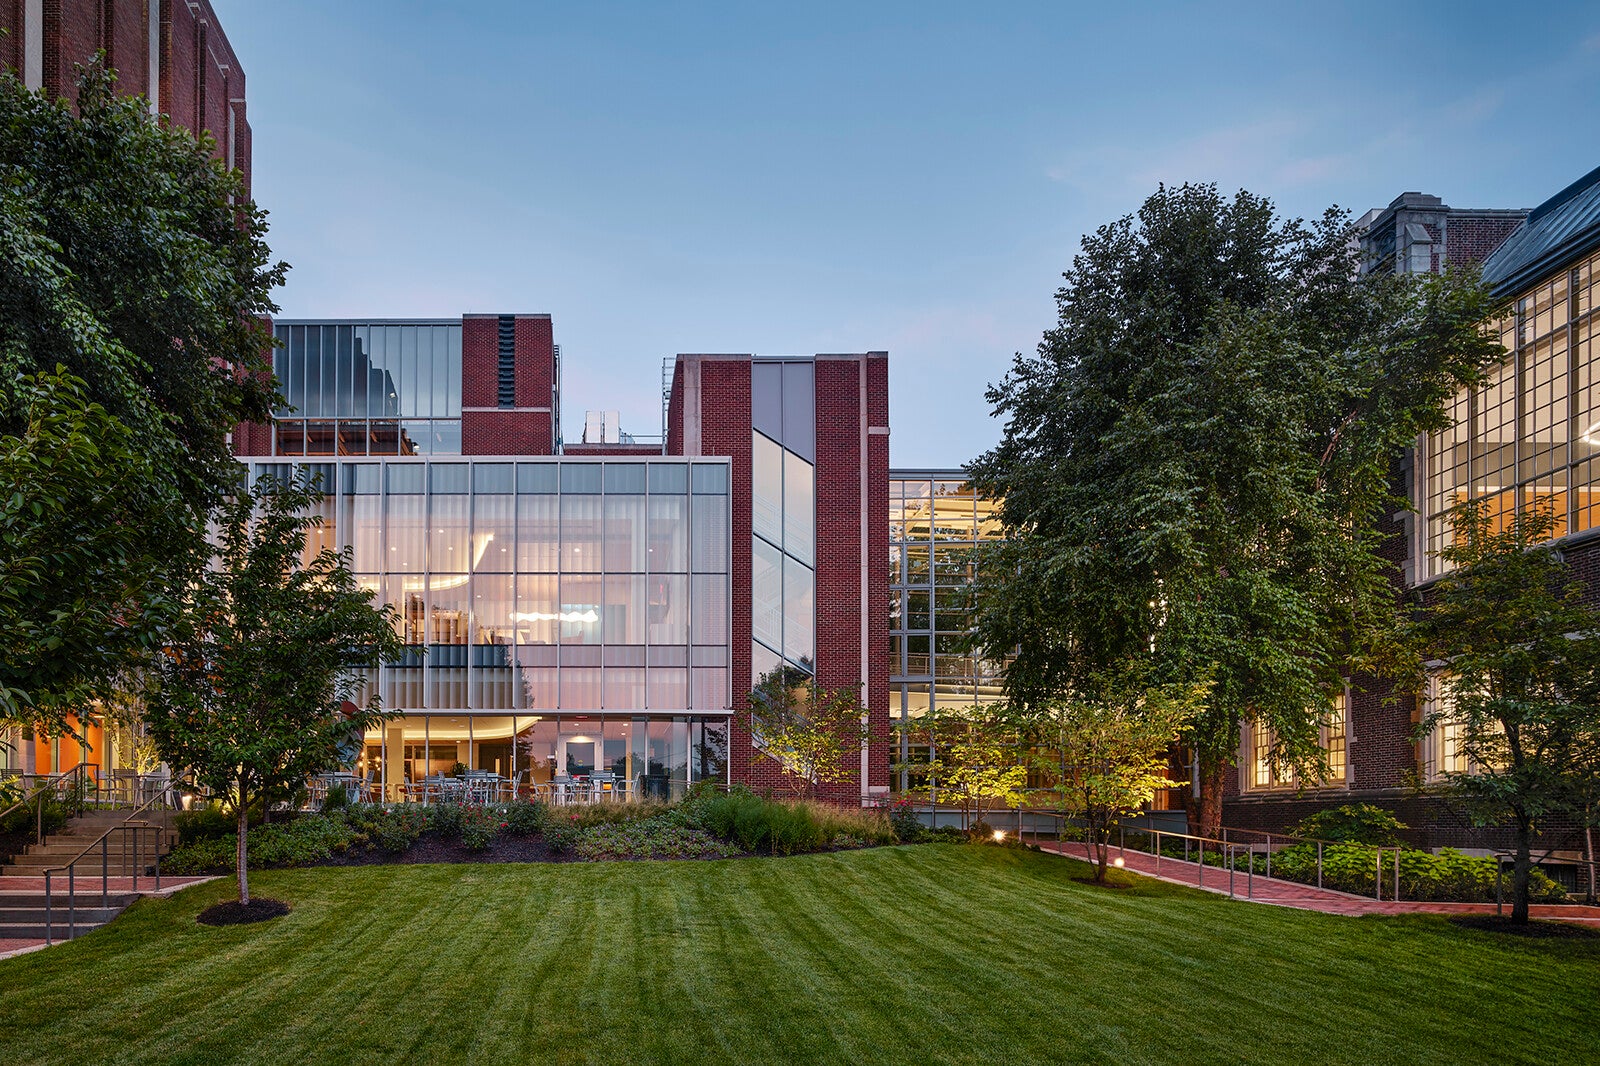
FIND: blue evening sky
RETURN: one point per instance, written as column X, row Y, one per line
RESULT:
column 800, row 178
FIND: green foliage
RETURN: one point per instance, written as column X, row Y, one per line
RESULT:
column 1192, row 459
column 206, row 844
column 25, row 819
column 1521, row 689
column 209, row 822
column 1109, row 748
column 651, row 838
column 1352, row 823
column 134, row 278
column 1447, row 876
column 561, row 833
column 254, row 695
column 478, row 833
column 767, row 826
column 84, row 578
column 977, row 759
column 524, row 819
column 810, row 731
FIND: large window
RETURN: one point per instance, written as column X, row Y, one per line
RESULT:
column 1264, row 772
column 1531, row 431
column 390, row 388
column 783, row 516
column 569, row 585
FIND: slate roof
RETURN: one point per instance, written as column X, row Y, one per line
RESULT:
column 1556, row 232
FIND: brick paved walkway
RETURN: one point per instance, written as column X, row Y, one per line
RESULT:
column 1271, row 890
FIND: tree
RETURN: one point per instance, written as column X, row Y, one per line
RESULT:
column 1196, row 458
column 132, row 265
column 1110, row 750
column 808, row 730
column 1520, row 676
column 80, row 593
column 255, row 695
column 976, row 757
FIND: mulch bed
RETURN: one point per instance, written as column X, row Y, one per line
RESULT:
column 235, row 913
column 1539, row 930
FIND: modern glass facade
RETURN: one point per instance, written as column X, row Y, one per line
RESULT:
column 936, row 523
column 783, row 482
column 368, row 388
column 538, row 592
column 1532, row 430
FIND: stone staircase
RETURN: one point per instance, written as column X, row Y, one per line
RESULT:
column 23, row 905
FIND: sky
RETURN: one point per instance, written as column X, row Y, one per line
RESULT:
column 805, row 178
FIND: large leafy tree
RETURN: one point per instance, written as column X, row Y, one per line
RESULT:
column 132, row 260
column 1519, row 677
column 1196, row 459
column 256, row 695
column 75, row 572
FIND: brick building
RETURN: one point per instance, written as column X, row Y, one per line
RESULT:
column 594, row 611
column 1527, row 433
column 172, row 52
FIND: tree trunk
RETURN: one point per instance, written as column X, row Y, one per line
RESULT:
column 1102, row 844
column 1588, row 856
column 1522, row 871
column 1205, row 813
column 239, row 854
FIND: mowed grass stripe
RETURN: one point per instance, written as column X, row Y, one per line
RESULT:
column 935, row 953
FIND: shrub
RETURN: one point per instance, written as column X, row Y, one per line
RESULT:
column 655, row 838
column 1352, row 823
column 903, row 820
column 478, row 833
column 561, row 834
column 772, row 827
column 1448, row 876
column 524, row 819
column 305, row 840
column 447, row 819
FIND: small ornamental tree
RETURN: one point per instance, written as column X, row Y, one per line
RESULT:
column 253, row 698
column 975, row 758
column 1109, row 751
column 1520, row 681
column 808, row 730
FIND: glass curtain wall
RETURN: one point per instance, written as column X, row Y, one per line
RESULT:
column 1531, row 431
column 783, row 516
column 936, row 523
column 553, row 587
column 378, row 388
column 652, row 757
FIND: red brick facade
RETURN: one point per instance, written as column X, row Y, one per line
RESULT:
column 198, row 83
column 529, row 427
column 709, row 414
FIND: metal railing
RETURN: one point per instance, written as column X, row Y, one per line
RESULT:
column 1228, row 852
column 71, row 787
column 133, row 861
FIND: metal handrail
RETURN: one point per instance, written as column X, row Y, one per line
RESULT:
column 52, row 781
column 102, row 842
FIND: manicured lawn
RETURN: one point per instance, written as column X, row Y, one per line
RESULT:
column 935, row 953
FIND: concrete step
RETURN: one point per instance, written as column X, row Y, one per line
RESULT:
column 61, row 856
column 84, row 876
column 62, row 929
column 87, row 911
column 35, row 900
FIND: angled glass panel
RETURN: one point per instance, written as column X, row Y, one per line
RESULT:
column 581, row 534
column 580, row 614
column 538, row 538
column 668, row 551
column 494, row 533
column 766, row 398
column 625, row 542
column 799, row 614
column 766, row 594
column 799, row 508
column 800, row 409
column 766, row 490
